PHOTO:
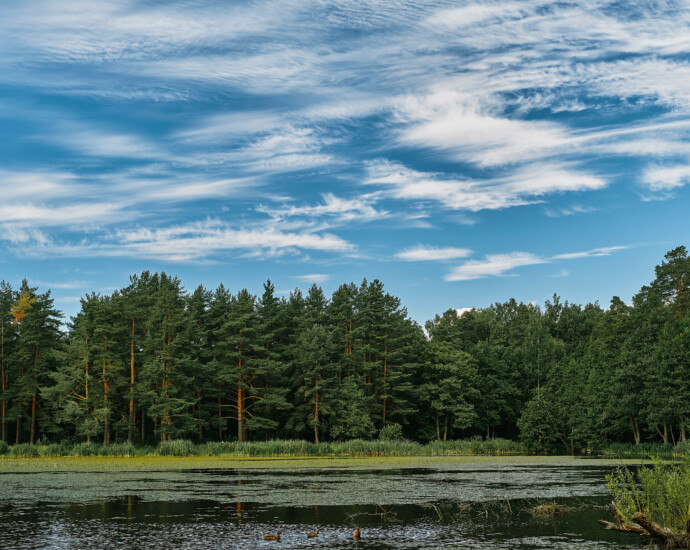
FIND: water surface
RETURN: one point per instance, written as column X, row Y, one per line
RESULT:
column 437, row 506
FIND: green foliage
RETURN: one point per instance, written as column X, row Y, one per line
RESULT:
column 176, row 447
column 664, row 451
column 153, row 363
column 662, row 493
column 391, row 432
column 4, row 448
column 24, row 450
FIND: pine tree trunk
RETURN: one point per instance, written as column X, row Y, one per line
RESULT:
column 240, row 413
column 438, row 429
column 385, row 373
column 3, row 380
column 316, row 415
column 106, row 420
column 4, row 422
column 130, row 428
column 32, row 436
column 106, row 430
column 220, row 418
column 19, row 426
column 682, row 433
column 445, row 430
column 143, row 427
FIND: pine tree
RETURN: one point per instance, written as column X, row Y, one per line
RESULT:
column 37, row 324
column 7, row 343
column 168, row 363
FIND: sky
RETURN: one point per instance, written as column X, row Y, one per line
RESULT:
column 461, row 152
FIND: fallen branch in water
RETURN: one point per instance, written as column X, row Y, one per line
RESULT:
column 640, row 525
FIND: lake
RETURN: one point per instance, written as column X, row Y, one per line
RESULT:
column 433, row 505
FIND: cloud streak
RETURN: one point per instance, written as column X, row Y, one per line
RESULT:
column 500, row 265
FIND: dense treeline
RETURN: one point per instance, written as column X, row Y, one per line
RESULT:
column 152, row 362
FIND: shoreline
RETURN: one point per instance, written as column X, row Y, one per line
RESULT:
column 153, row 463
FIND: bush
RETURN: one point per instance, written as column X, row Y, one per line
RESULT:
column 4, row 448
column 118, row 449
column 24, row 449
column 53, row 449
column 391, row 432
column 87, row 449
column 176, row 447
column 661, row 493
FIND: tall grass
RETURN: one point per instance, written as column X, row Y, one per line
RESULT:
column 276, row 448
column 661, row 493
column 644, row 450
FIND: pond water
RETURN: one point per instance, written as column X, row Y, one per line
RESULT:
column 443, row 506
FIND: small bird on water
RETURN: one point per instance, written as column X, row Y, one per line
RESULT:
column 273, row 537
column 356, row 534
column 312, row 534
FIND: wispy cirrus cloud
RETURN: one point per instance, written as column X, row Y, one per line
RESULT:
column 333, row 208
column 524, row 186
column 432, row 253
column 666, row 178
column 499, row 265
column 268, row 117
column 210, row 240
column 313, row 278
column 492, row 265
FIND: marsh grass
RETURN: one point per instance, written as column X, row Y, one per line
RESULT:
column 275, row 448
column 645, row 450
column 661, row 493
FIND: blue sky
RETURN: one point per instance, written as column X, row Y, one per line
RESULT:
column 461, row 152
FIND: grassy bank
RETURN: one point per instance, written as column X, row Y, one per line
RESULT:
column 270, row 449
column 356, row 448
column 164, row 463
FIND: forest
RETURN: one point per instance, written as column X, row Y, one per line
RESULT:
column 153, row 362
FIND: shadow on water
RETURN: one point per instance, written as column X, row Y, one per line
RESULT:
column 477, row 508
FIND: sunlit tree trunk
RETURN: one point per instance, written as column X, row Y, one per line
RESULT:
column 32, row 436
column 130, row 429
column 240, row 412
column 316, row 414
column 3, row 380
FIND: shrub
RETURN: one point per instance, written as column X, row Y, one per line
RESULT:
column 391, row 432
column 53, row 449
column 4, row 448
column 176, row 447
column 661, row 493
column 86, row 449
column 24, row 449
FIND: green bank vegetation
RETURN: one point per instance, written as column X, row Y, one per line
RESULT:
column 654, row 502
column 153, row 363
column 277, row 448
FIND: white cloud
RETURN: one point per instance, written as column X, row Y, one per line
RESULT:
column 492, row 265
column 497, row 265
column 523, row 186
column 570, row 211
column 314, row 278
column 451, row 120
column 666, row 178
column 192, row 242
column 336, row 208
column 595, row 252
column 430, row 253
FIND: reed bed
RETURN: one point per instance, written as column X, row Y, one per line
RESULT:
column 273, row 448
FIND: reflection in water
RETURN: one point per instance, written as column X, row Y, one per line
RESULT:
column 478, row 508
